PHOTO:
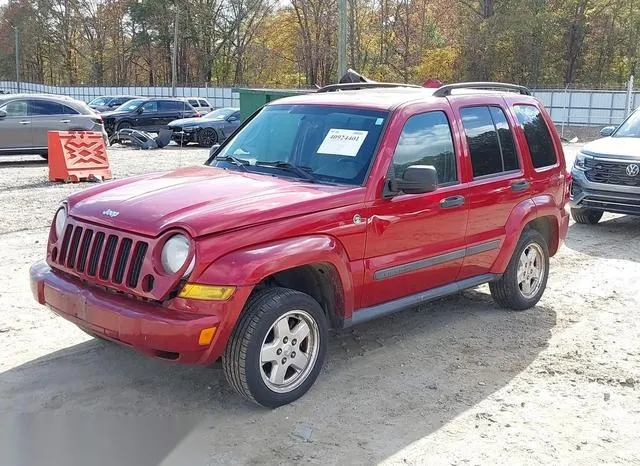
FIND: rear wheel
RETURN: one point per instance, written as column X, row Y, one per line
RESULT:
column 207, row 137
column 523, row 283
column 278, row 347
column 586, row 216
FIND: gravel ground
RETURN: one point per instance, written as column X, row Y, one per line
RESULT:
column 457, row 381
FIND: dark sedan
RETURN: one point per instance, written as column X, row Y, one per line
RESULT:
column 107, row 103
column 211, row 129
column 147, row 114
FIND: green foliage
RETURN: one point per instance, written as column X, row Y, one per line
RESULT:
column 291, row 44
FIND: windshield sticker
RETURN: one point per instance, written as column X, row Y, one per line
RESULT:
column 379, row 121
column 345, row 142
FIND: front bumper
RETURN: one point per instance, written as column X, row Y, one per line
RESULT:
column 169, row 333
column 181, row 136
column 603, row 197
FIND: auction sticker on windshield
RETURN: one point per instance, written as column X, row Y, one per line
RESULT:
column 342, row 142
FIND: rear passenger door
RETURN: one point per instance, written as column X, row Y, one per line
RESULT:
column 168, row 111
column 497, row 181
column 46, row 116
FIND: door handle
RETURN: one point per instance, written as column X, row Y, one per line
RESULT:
column 65, row 121
column 25, row 122
column 450, row 202
column 519, row 186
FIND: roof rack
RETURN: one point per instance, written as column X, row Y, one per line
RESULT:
column 446, row 89
column 363, row 85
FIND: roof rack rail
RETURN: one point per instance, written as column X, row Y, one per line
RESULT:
column 447, row 88
column 363, row 85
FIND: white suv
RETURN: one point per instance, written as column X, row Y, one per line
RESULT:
column 201, row 105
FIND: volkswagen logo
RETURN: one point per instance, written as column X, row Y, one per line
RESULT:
column 633, row 169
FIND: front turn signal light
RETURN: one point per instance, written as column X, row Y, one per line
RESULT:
column 206, row 292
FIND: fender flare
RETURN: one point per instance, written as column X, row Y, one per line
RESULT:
column 522, row 214
column 250, row 265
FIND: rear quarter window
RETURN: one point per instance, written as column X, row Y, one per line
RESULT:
column 538, row 137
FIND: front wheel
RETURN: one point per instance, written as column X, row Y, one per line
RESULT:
column 207, row 137
column 586, row 216
column 523, row 283
column 277, row 348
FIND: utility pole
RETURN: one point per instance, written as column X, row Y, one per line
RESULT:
column 174, row 55
column 342, row 38
column 16, row 35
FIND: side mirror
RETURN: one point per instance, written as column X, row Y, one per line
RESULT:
column 231, row 119
column 139, row 110
column 214, row 150
column 607, row 131
column 3, row 114
column 416, row 179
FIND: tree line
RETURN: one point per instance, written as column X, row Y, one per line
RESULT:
column 292, row 43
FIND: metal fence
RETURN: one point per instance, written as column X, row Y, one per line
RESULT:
column 217, row 96
column 572, row 107
column 568, row 107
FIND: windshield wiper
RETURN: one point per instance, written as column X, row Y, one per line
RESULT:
column 302, row 172
column 240, row 163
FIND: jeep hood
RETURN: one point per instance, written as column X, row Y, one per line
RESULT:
column 623, row 148
column 204, row 200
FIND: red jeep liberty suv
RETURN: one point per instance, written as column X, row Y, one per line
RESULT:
column 322, row 211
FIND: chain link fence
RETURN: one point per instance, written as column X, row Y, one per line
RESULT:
column 217, row 96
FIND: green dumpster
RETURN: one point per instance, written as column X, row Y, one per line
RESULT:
column 252, row 99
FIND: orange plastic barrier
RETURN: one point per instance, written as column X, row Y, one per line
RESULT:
column 77, row 155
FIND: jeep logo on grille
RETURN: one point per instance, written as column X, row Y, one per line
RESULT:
column 633, row 169
column 110, row 213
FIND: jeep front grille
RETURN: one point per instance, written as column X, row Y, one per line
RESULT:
column 600, row 171
column 105, row 255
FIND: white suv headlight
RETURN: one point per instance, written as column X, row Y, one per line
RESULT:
column 581, row 161
column 175, row 253
column 60, row 221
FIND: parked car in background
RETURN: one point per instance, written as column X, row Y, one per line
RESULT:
column 324, row 211
column 214, row 127
column 25, row 120
column 149, row 114
column 606, row 174
column 105, row 103
column 201, row 105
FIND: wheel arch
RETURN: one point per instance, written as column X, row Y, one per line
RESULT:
column 529, row 214
column 317, row 265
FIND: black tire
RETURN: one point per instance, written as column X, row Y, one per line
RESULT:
column 506, row 291
column 123, row 125
column 207, row 137
column 242, row 356
column 586, row 216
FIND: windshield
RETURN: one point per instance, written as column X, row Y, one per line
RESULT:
column 100, row 101
column 332, row 144
column 630, row 128
column 130, row 106
column 219, row 114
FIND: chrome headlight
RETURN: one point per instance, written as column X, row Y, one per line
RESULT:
column 175, row 253
column 581, row 161
column 188, row 129
column 60, row 221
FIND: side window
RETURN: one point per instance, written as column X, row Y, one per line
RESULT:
column 17, row 108
column 150, row 107
column 68, row 110
column 490, row 140
column 426, row 140
column 44, row 107
column 234, row 116
column 204, row 103
column 538, row 137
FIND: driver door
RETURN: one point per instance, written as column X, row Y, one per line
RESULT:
column 146, row 120
column 416, row 242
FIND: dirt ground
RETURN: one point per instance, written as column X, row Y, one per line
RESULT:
column 454, row 382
